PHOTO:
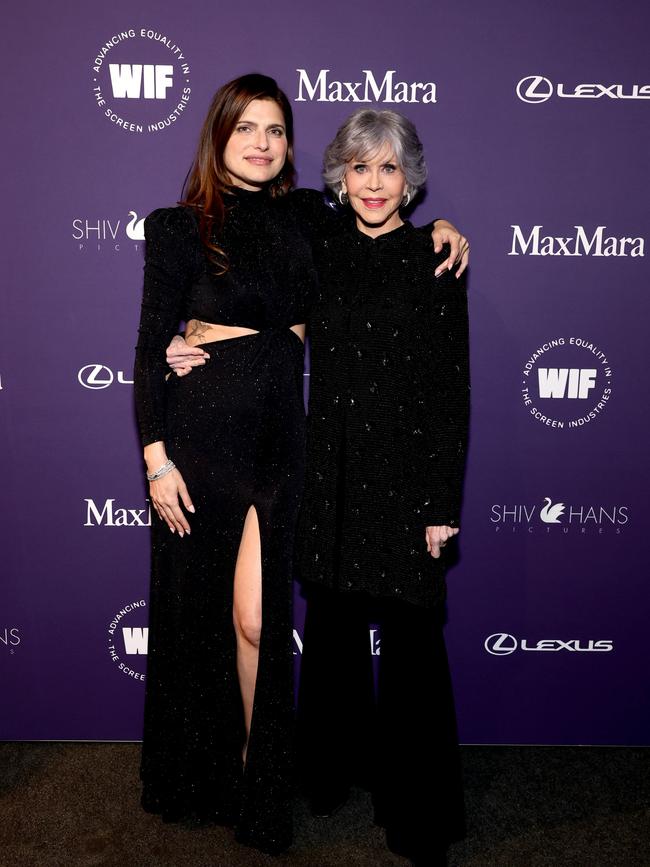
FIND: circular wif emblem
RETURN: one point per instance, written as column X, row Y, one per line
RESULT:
column 534, row 88
column 128, row 639
column 141, row 80
column 567, row 382
column 500, row 644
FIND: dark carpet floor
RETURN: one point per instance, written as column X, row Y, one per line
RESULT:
column 76, row 805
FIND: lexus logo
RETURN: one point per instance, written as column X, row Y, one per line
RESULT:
column 534, row 88
column 99, row 376
column 503, row 644
column 500, row 644
column 95, row 376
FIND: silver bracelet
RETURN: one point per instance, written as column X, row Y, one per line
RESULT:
column 166, row 468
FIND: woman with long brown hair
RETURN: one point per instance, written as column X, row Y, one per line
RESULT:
column 231, row 262
column 228, row 444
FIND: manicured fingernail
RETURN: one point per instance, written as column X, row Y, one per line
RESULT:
column 191, row 509
column 172, row 529
column 438, row 272
column 180, row 533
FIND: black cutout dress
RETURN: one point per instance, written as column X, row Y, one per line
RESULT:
column 235, row 430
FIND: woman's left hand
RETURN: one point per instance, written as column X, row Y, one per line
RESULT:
column 437, row 537
column 445, row 233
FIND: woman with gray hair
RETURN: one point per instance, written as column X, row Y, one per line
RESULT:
column 387, row 431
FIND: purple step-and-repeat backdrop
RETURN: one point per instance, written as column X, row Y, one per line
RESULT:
column 535, row 124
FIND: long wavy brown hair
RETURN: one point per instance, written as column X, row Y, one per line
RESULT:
column 208, row 179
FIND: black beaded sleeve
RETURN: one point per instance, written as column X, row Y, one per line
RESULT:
column 445, row 391
column 317, row 215
column 170, row 265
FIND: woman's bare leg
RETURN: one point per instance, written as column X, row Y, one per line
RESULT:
column 247, row 613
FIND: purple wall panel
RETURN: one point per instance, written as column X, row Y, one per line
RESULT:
column 547, row 620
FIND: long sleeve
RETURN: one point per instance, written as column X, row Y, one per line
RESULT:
column 445, row 395
column 316, row 215
column 171, row 240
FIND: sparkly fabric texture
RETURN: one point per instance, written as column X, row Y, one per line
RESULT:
column 235, row 429
column 388, row 415
column 268, row 284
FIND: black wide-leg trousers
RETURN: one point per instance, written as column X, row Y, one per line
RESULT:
column 397, row 736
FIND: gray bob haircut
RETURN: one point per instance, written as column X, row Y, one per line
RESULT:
column 363, row 135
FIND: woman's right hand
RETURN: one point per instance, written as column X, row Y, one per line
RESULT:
column 437, row 536
column 164, row 495
column 182, row 357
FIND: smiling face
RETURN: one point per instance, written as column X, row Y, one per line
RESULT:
column 375, row 187
column 256, row 150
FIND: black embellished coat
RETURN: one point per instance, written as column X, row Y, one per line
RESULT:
column 388, row 415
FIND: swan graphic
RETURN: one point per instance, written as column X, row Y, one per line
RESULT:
column 135, row 228
column 551, row 514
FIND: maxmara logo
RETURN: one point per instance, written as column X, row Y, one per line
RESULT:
column 558, row 516
column 107, row 514
column 387, row 88
column 567, row 382
column 583, row 242
column 103, row 233
column 537, row 88
column 503, row 644
column 148, row 95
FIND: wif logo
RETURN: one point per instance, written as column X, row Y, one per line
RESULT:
column 573, row 383
column 129, row 640
column 136, row 640
column 135, row 80
column 560, row 375
column 147, row 96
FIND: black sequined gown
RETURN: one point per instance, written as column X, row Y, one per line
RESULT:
column 235, row 429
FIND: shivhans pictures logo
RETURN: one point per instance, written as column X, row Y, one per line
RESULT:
column 9, row 638
column 537, row 88
column 128, row 638
column 567, row 382
column 149, row 95
column 559, row 517
column 503, row 644
column 100, row 233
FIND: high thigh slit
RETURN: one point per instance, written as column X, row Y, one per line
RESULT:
column 234, row 427
column 247, row 613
